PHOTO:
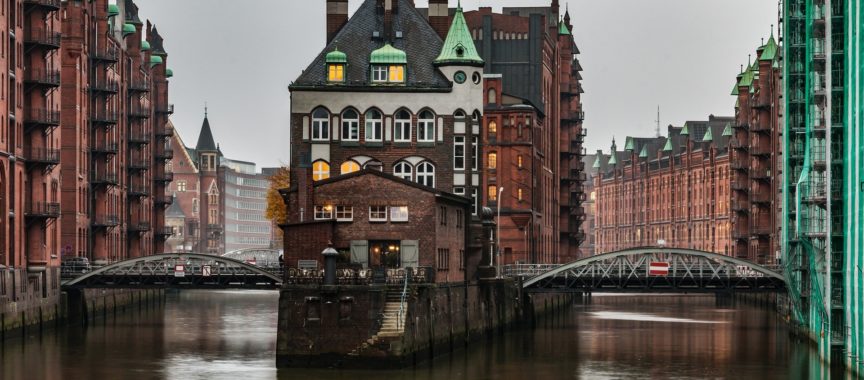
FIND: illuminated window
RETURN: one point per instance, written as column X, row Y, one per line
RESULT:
column 399, row 214
column 320, row 170
column 350, row 167
column 181, row 186
column 336, row 73
column 519, row 195
column 519, row 161
column 493, row 193
column 493, row 161
column 323, row 212
column 493, row 127
column 397, row 74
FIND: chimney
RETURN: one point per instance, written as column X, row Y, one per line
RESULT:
column 337, row 17
column 439, row 17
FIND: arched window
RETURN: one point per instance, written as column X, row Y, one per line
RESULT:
column 426, row 127
column 492, row 97
column 403, row 170
column 493, row 127
column 373, row 125
column 426, row 174
column 374, row 165
column 320, row 170
column 493, row 161
column 350, row 167
column 402, row 133
column 350, row 126
column 320, row 125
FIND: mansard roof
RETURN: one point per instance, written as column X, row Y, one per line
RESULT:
column 418, row 41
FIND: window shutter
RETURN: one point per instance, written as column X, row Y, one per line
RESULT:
column 410, row 253
column 360, row 252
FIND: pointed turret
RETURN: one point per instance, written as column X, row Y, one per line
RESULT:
column 206, row 143
column 459, row 47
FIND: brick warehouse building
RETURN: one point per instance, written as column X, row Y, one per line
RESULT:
column 672, row 189
column 83, row 120
column 533, row 136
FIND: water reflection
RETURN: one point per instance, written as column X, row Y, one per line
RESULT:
column 231, row 335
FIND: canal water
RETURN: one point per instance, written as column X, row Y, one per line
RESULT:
column 231, row 335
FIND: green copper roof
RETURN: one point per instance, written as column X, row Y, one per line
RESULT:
column 336, row 56
column 113, row 10
column 459, row 46
column 770, row 51
column 387, row 55
column 145, row 45
column 128, row 29
column 709, row 136
column 597, row 162
column 155, row 60
column 747, row 78
column 668, row 147
column 776, row 64
column 562, row 29
column 612, row 159
column 644, row 153
column 727, row 132
column 628, row 146
column 169, row 73
column 737, row 103
column 735, row 89
column 685, row 131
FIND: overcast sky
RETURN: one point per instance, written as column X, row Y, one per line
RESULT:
column 682, row 55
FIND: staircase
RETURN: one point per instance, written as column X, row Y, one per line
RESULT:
column 392, row 324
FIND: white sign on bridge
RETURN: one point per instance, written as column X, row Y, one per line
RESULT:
column 179, row 271
column 206, row 271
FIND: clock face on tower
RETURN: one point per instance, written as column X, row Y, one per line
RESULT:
column 459, row 77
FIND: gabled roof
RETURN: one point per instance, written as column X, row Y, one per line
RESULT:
column 644, row 152
column 770, row 50
column 419, row 41
column 562, row 29
column 205, row 138
column 459, row 46
column 709, row 137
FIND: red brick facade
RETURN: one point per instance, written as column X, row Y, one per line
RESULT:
column 670, row 192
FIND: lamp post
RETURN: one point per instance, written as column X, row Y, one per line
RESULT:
column 498, row 235
column 330, row 264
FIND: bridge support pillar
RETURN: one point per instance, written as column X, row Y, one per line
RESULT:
column 487, row 269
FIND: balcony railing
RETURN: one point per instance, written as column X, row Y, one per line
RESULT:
column 107, row 54
column 760, row 150
column 105, row 148
column 139, row 112
column 740, row 205
column 164, row 177
column 109, row 86
column 164, row 154
column 104, row 117
column 761, row 197
column 138, row 165
column 104, row 221
column 214, row 227
column 758, row 173
column 164, row 200
column 139, row 85
column 139, row 138
column 42, row 37
column 740, row 163
column 164, row 232
column 42, row 210
column 42, row 116
column 139, row 227
column 759, row 127
column 139, row 191
column 51, row 5
column 42, row 77
column 109, row 179
column 42, row 156
column 165, row 131
column 167, row 109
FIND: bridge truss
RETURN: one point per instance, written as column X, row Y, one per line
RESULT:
column 680, row 271
column 179, row 270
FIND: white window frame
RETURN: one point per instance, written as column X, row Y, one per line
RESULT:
column 409, row 175
column 475, row 154
column 344, row 213
column 426, row 127
column 375, row 126
column 474, row 201
column 320, row 126
column 399, row 214
column 402, row 128
column 377, row 209
column 423, row 177
column 350, row 127
column 321, row 213
column 458, row 160
column 380, row 73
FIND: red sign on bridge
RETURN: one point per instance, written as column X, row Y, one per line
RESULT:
column 658, row 268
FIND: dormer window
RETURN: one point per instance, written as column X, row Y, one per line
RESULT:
column 336, row 61
column 388, row 65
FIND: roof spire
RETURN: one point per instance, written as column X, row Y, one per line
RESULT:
column 772, row 30
column 205, row 109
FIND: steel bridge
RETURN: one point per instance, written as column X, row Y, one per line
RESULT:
column 651, row 269
column 178, row 270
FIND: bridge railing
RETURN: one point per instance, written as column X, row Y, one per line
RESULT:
column 349, row 276
column 526, row 270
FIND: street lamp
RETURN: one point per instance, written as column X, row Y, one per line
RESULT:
column 330, row 264
column 498, row 234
